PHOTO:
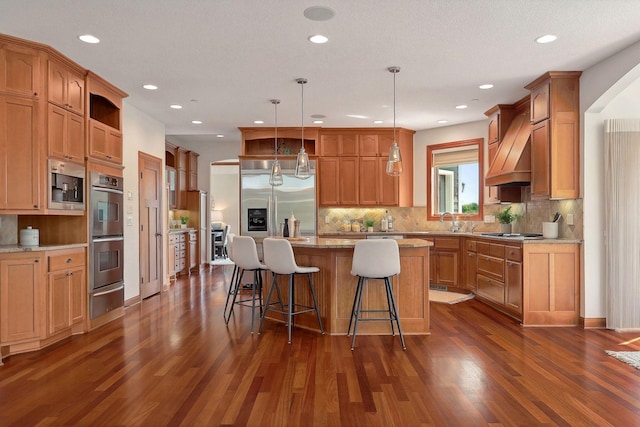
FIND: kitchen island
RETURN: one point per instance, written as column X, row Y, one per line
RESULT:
column 335, row 287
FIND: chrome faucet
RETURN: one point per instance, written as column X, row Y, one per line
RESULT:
column 453, row 228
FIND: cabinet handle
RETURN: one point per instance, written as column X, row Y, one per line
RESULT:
column 36, row 260
column 69, row 260
column 70, row 273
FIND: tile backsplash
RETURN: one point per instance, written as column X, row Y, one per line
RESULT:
column 533, row 214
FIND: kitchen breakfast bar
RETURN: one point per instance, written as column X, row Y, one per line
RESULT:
column 335, row 287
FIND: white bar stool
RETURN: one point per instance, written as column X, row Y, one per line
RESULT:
column 245, row 257
column 375, row 259
column 279, row 258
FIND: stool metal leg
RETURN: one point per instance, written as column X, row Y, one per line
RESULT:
column 358, row 308
column 235, row 293
column 231, row 290
column 315, row 302
column 395, row 312
column 355, row 301
column 391, row 315
column 274, row 284
column 290, row 310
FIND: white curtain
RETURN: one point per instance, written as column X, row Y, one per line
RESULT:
column 622, row 222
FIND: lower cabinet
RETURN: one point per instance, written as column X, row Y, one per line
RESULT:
column 193, row 250
column 66, row 291
column 470, row 266
column 444, row 264
column 172, row 252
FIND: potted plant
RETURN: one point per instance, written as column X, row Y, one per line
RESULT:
column 183, row 221
column 369, row 224
column 505, row 217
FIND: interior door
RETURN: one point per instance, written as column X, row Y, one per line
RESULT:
column 150, row 207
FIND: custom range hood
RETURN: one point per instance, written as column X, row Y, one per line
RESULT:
column 512, row 164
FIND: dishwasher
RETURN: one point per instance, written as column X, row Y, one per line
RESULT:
column 385, row 236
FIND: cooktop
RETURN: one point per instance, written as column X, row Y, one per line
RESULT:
column 527, row 236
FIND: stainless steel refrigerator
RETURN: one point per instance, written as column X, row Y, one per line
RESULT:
column 262, row 202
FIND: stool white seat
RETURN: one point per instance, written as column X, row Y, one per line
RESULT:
column 244, row 254
column 375, row 259
column 279, row 259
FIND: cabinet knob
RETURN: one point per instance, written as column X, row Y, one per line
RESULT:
column 36, row 260
column 69, row 260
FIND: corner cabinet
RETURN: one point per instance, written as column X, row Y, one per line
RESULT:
column 555, row 137
column 105, row 120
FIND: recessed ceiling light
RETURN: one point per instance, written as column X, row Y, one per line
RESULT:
column 319, row 13
column 318, row 39
column 258, row 122
column 547, row 38
column 443, row 121
column 461, row 107
column 317, row 122
column 378, row 122
column 150, row 87
column 175, row 106
column 88, row 38
column 196, row 122
column 486, row 86
column 318, row 116
column 219, row 136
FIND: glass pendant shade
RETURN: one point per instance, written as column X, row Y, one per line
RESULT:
column 275, row 179
column 394, row 164
column 302, row 165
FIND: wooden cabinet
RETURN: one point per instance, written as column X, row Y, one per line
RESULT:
column 376, row 187
column 260, row 141
column 21, row 297
column 338, row 181
column 444, row 261
column 66, row 291
column 105, row 143
column 21, row 169
column 470, row 266
column 551, row 283
column 65, row 134
column 66, row 87
column 192, row 171
column 555, row 154
column 500, row 117
column 181, row 178
column 19, row 70
column 193, row 250
column 348, row 180
column 181, row 253
column 105, row 120
column 338, row 144
column 198, row 206
column 172, row 256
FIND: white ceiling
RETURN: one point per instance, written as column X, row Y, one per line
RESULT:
column 223, row 60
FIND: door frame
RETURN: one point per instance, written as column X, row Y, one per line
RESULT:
column 159, row 163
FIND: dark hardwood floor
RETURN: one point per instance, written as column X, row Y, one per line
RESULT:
column 172, row 361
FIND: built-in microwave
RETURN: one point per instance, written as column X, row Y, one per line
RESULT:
column 66, row 186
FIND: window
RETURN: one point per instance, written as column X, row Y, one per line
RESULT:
column 454, row 181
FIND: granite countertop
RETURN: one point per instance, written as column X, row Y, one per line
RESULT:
column 426, row 234
column 17, row 248
column 321, row 242
column 181, row 230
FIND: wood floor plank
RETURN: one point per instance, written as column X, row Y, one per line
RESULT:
column 171, row 360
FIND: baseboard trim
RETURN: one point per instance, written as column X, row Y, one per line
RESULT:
column 593, row 323
column 132, row 301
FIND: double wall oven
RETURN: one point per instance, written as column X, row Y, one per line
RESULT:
column 107, row 244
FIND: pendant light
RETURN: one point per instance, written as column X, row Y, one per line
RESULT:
column 302, row 163
column 275, row 179
column 394, row 165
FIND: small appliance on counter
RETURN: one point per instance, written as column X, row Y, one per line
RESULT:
column 30, row 237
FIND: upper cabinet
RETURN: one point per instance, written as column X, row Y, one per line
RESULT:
column 19, row 70
column 105, row 120
column 182, row 174
column 260, row 141
column 352, row 168
column 555, row 137
column 66, row 87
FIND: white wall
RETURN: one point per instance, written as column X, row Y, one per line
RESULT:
column 225, row 189
column 599, row 86
column 140, row 133
column 437, row 136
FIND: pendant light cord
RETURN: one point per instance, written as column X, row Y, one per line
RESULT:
column 394, row 105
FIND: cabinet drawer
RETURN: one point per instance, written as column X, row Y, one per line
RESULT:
column 193, row 237
column 491, row 249
column 513, row 253
column 446, row 243
column 182, row 246
column 66, row 260
column 181, row 237
column 471, row 245
column 491, row 266
column 172, row 239
column 491, row 289
column 181, row 264
column 181, row 254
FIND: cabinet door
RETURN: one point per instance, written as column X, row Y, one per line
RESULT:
column 493, row 135
column 75, row 93
column 192, row 168
column 105, row 143
column 540, row 103
column 21, row 285
column 114, row 146
column 513, row 285
column 19, row 154
column 57, row 84
column 369, row 181
column 471, row 264
column 58, row 299
column 19, row 71
column 493, row 150
column 78, row 291
column 540, row 164
column 388, row 186
column 56, row 131
column 385, row 141
column 349, row 181
column 193, row 254
column 181, row 194
column 75, row 138
column 368, row 145
column 172, row 259
column 330, row 145
column 328, row 179
column 447, row 269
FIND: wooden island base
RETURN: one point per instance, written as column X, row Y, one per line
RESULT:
column 335, row 287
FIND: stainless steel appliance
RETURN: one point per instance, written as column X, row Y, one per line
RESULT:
column 258, row 197
column 66, row 189
column 515, row 236
column 107, row 244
